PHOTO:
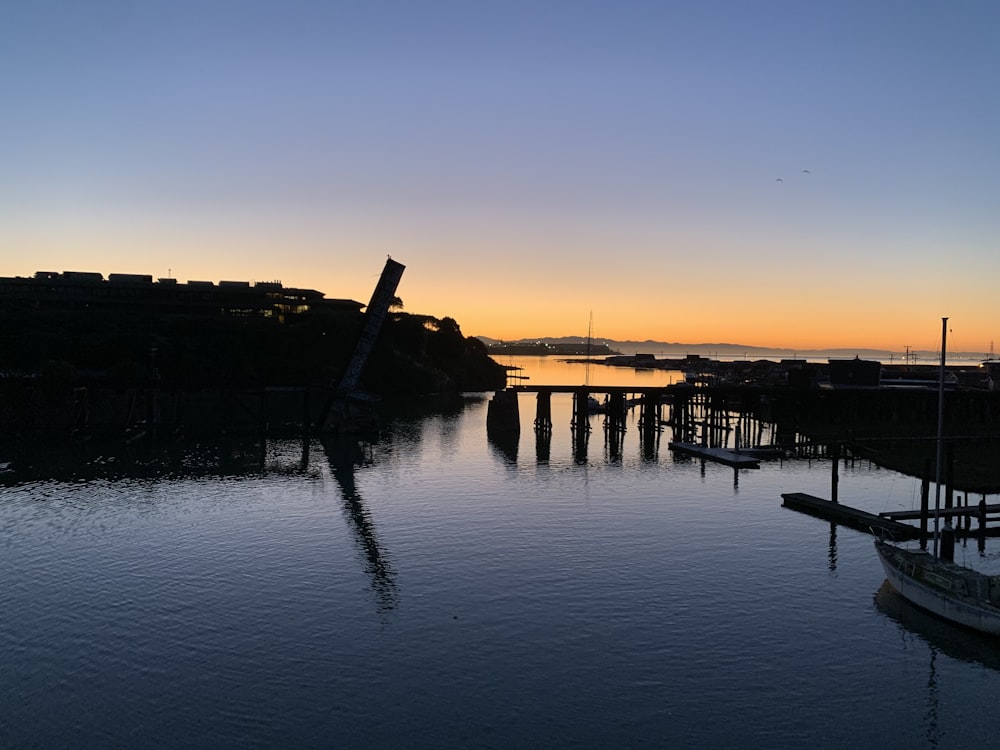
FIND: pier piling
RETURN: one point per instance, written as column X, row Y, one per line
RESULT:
column 543, row 412
column 502, row 415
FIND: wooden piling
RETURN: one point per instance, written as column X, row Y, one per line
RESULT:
column 580, row 425
column 949, row 476
column 649, row 416
column 834, row 449
column 502, row 415
column 615, row 413
column 543, row 412
column 925, row 494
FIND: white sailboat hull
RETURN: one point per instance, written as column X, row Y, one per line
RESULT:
column 904, row 569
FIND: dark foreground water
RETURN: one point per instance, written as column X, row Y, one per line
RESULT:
column 438, row 590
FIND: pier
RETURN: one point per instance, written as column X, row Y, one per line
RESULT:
column 722, row 427
column 888, row 522
column 891, row 427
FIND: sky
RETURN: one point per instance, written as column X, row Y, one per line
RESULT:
column 797, row 174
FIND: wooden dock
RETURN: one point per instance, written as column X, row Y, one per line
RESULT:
column 719, row 455
column 956, row 512
column 847, row 516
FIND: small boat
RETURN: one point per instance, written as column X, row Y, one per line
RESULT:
column 935, row 582
column 594, row 406
column 951, row 591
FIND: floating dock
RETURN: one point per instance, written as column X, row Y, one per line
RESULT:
column 719, row 455
column 847, row 516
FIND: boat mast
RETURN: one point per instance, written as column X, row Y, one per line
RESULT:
column 940, row 434
column 590, row 332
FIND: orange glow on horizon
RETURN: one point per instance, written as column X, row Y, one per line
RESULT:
column 505, row 308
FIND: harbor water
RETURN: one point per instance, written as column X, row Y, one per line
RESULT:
column 437, row 589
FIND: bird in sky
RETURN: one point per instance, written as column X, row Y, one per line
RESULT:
column 806, row 171
column 780, row 180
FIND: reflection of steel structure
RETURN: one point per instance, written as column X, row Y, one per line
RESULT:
column 349, row 409
column 343, row 456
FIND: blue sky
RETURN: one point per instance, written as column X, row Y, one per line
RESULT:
column 528, row 162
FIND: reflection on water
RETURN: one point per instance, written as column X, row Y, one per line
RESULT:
column 833, row 548
column 505, row 444
column 939, row 635
column 344, row 455
column 575, row 371
column 82, row 459
column 917, row 626
column 434, row 588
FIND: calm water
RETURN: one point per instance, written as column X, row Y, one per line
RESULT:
column 438, row 590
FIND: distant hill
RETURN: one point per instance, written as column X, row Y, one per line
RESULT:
column 667, row 350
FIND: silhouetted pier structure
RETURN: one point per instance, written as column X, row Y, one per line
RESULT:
column 709, row 421
column 957, row 508
column 740, row 417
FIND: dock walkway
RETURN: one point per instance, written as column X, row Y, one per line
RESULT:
column 847, row 516
column 719, row 455
column 965, row 510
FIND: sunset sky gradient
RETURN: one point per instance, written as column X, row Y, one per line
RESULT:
column 529, row 162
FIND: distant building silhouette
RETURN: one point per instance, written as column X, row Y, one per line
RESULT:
column 855, row 373
column 124, row 291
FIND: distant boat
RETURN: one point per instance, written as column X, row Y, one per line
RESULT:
column 594, row 406
column 932, row 581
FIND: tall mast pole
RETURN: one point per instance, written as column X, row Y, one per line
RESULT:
column 940, row 434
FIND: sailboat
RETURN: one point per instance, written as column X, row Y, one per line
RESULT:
column 593, row 405
column 953, row 592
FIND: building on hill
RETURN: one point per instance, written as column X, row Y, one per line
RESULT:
column 121, row 291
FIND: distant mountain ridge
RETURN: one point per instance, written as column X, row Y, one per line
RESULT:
column 721, row 350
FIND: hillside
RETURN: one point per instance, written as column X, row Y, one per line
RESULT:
column 413, row 354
